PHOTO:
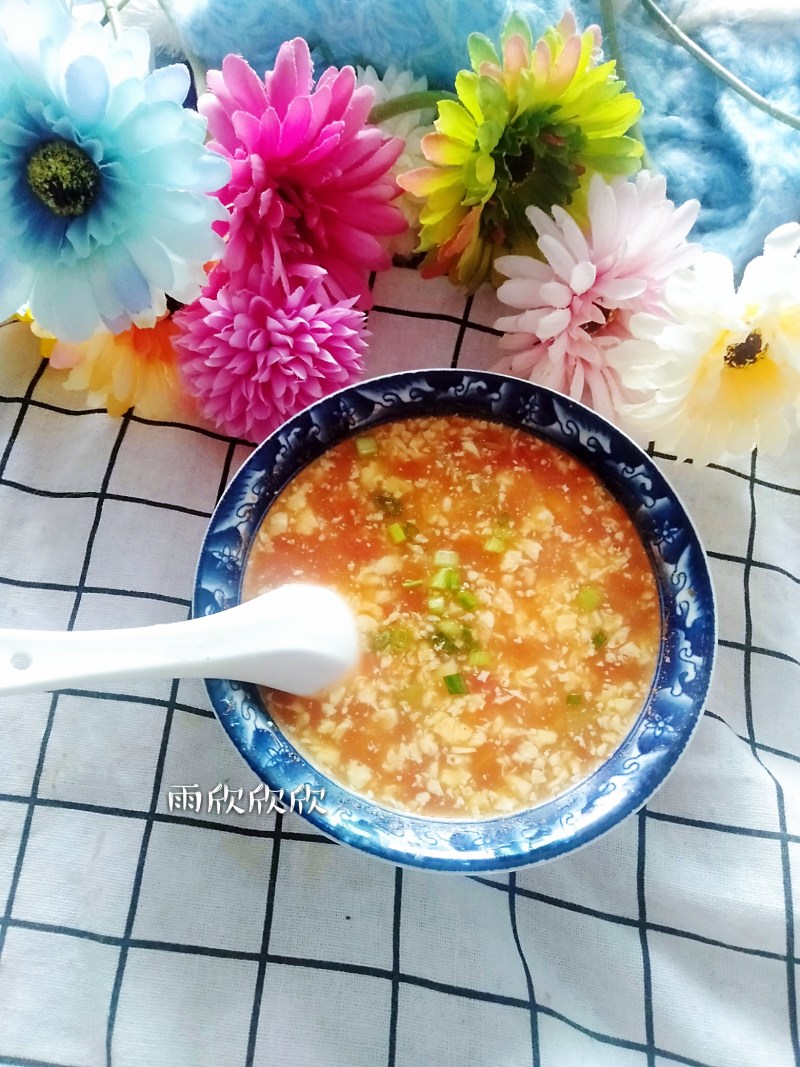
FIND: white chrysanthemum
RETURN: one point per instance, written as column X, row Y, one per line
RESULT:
column 724, row 375
column 575, row 306
column 411, row 127
column 104, row 176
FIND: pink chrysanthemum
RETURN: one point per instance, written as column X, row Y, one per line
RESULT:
column 576, row 306
column 310, row 177
column 253, row 353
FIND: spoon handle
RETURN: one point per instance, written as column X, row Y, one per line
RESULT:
column 298, row 638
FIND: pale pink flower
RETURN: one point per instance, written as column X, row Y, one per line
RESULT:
column 310, row 177
column 254, row 353
column 576, row 306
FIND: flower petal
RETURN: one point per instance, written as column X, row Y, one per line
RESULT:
column 86, row 88
column 444, row 150
column 552, row 324
column 167, row 83
column 583, row 277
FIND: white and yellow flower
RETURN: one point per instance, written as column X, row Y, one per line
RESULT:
column 723, row 375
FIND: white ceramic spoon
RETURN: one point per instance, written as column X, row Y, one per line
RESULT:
column 298, row 638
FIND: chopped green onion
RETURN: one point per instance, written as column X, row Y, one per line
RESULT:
column 439, row 580
column 436, row 605
column 381, row 640
column 467, row 639
column 574, row 700
column 467, row 600
column 397, row 533
column 366, row 446
column 588, row 598
column 495, row 544
column 599, row 638
column 401, row 639
column 446, row 578
column 445, row 558
column 451, row 637
column 389, row 505
column 394, row 638
column 479, row 658
column 412, row 583
column 455, row 684
column 442, row 643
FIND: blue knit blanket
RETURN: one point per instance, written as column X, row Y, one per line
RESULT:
column 711, row 143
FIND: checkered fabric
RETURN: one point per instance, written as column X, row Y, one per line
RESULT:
column 133, row 936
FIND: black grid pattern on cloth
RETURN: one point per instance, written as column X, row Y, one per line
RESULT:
column 407, row 984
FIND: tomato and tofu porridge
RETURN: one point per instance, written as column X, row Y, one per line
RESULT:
column 509, row 615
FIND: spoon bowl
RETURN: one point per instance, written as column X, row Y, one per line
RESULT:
column 298, row 638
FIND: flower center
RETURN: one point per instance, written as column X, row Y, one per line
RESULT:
column 609, row 314
column 64, row 178
column 536, row 163
column 520, row 167
column 747, row 352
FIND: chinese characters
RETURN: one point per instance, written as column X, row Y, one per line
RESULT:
column 261, row 800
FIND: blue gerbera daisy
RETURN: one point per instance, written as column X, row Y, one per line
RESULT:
column 104, row 177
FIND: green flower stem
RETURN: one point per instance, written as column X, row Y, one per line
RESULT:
column 400, row 105
column 717, row 68
column 610, row 33
column 112, row 16
column 106, row 19
column 196, row 66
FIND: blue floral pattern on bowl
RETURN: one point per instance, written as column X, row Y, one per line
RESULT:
column 675, row 702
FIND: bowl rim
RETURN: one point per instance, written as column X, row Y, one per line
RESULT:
column 670, row 714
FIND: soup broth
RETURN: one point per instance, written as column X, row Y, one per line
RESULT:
column 508, row 612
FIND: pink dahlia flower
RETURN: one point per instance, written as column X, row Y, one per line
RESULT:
column 310, row 177
column 254, row 353
column 576, row 306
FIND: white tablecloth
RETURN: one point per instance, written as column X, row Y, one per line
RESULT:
column 132, row 936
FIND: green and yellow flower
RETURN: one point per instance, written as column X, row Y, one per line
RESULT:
column 529, row 128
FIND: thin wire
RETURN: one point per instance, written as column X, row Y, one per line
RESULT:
column 717, row 68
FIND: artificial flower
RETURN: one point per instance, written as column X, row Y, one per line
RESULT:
column 103, row 175
column 724, row 375
column 135, row 367
column 576, row 305
column 410, row 127
column 253, row 352
column 310, row 177
column 46, row 340
column 525, row 130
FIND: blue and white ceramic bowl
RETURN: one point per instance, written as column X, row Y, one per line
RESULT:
column 675, row 702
